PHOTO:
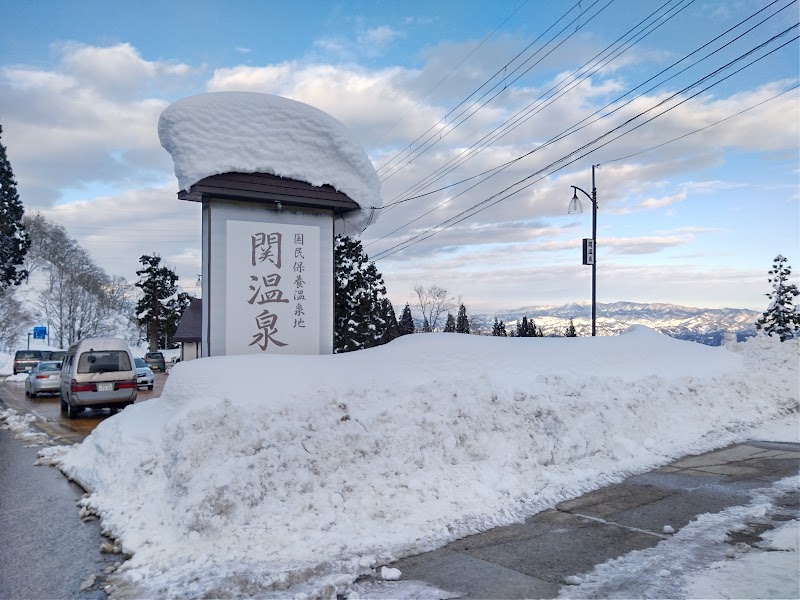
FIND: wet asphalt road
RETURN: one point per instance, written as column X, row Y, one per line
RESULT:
column 46, row 551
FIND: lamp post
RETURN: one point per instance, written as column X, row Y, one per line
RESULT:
column 576, row 208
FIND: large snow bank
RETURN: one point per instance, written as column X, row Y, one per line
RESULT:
column 259, row 474
column 247, row 132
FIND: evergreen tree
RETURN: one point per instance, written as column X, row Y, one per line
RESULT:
column 570, row 330
column 450, row 324
column 363, row 317
column 499, row 329
column 781, row 317
column 392, row 330
column 523, row 328
column 406, row 324
column 462, row 321
column 14, row 241
column 502, row 330
column 160, row 308
column 535, row 331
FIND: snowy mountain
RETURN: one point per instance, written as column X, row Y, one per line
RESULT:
column 709, row 326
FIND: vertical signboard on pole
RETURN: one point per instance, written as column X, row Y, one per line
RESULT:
column 588, row 251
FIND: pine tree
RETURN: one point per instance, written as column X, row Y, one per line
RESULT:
column 502, row 330
column 406, row 324
column 392, row 329
column 781, row 317
column 570, row 330
column 450, row 324
column 462, row 321
column 535, row 331
column 160, row 308
column 14, row 241
column 496, row 328
column 361, row 317
column 523, row 328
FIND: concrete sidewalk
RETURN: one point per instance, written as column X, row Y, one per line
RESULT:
column 532, row 559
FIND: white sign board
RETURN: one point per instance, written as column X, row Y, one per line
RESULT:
column 272, row 298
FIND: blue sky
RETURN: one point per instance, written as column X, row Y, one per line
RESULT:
column 695, row 222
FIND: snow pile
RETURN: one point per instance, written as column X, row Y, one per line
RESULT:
column 294, row 474
column 20, row 426
column 700, row 562
column 247, row 132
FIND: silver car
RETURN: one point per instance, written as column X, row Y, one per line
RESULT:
column 144, row 376
column 44, row 378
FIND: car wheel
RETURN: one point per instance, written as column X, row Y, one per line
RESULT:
column 27, row 393
column 150, row 387
column 72, row 411
column 63, row 404
column 33, row 394
column 112, row 410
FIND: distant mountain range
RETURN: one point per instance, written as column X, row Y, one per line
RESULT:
column 710, row 326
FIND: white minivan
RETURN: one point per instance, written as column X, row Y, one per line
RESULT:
column 97, row 373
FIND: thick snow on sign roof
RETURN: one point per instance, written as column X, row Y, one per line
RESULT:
column 248, row 132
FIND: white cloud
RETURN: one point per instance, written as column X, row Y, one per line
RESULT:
column 77, row 126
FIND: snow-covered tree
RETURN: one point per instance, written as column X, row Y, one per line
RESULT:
column 14, row 240
column 462, row 321
column 781, row 317
column 161, row 306
column 450, row 324
column 406, row 324
column 363, row 317
column 570, row 330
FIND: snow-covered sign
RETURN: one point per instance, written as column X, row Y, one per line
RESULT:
column 263, row 167
column 247, row 132
column 273, row 288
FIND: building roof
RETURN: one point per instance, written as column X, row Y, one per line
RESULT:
column 189, row 326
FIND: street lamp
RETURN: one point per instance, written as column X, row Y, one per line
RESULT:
column 589, row 250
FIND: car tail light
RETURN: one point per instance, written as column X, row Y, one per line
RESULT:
column 124, row 385
column 42, row 376
column 76, row 387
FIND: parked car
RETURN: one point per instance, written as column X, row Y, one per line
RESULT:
column 97, row 373
column 155, row 360
column 144, row 376
column 25, row 360
column 44, row 378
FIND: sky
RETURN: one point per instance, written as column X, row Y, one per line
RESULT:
column 692, row 206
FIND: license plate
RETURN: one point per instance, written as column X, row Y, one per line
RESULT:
column 105, row 387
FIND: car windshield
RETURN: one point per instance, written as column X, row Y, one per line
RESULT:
column 104, row 361
column 155, row 355
column 28, row 354
column 139, row 363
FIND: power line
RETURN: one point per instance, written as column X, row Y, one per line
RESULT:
column 453, row 70
column 709, row 126
column 575, row 128
column 503, row 69
column 530, row 110
column 484, row 204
